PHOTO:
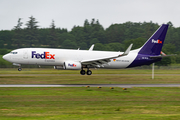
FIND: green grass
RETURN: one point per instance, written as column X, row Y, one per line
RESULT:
column 78, row 79
column 102, row 76
column 89, row 103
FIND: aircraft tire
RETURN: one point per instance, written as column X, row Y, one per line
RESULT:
column 89, row 72
column 19, row 69
column 82, row 72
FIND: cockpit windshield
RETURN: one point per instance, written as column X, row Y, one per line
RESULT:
column 14, row 52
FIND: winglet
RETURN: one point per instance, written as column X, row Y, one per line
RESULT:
column 127, row 50
column 91, row 48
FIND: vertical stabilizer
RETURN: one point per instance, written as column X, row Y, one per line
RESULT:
column 154, row 44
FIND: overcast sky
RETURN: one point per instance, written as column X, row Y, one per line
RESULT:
column 67, row 13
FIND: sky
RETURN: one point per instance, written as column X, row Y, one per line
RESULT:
column 70, row 13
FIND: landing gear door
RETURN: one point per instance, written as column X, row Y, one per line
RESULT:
column 25, row 54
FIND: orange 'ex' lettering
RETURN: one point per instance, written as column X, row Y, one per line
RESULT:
column 49, row 55
column 52, row 56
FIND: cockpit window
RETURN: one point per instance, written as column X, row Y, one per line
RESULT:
column 14, row 52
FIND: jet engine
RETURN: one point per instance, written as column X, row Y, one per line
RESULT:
column 71, row 65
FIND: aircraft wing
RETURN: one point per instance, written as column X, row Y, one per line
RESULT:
column 98, row 62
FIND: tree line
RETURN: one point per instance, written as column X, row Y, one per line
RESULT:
column 117, row 37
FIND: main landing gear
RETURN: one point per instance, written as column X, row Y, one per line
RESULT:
column 83, row 72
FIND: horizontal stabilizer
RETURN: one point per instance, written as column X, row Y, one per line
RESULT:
column 161, row 56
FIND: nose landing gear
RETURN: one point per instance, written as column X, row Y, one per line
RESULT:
column 19, row 65
column 19, row 69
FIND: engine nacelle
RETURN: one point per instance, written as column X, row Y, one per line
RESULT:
column 71, row 65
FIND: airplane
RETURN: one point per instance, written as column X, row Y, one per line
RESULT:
column 68, row 59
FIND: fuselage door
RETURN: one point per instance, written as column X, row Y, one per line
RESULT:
column 25, row 54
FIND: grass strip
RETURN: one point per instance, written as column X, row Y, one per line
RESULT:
column 89, row 103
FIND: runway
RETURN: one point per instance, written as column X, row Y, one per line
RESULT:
column 92, row 85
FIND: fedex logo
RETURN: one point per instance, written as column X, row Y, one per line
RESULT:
column 156, row 41
column 44, row 55
column 72, row 65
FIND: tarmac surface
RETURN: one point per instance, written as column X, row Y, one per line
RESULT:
column 92, row 85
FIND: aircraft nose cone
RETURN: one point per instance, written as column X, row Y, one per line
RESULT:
column 6, row 57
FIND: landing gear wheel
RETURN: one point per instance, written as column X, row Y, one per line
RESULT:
column 19, row 69
column 89, row 72
column 82, row 72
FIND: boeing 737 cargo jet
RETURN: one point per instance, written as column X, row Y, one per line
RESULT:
column 67, row 59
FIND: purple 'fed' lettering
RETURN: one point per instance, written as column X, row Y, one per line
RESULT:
column 45, row 55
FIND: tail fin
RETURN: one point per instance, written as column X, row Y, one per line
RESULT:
column 154, row 44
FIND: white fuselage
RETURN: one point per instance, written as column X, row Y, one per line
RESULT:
column 57, row 57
